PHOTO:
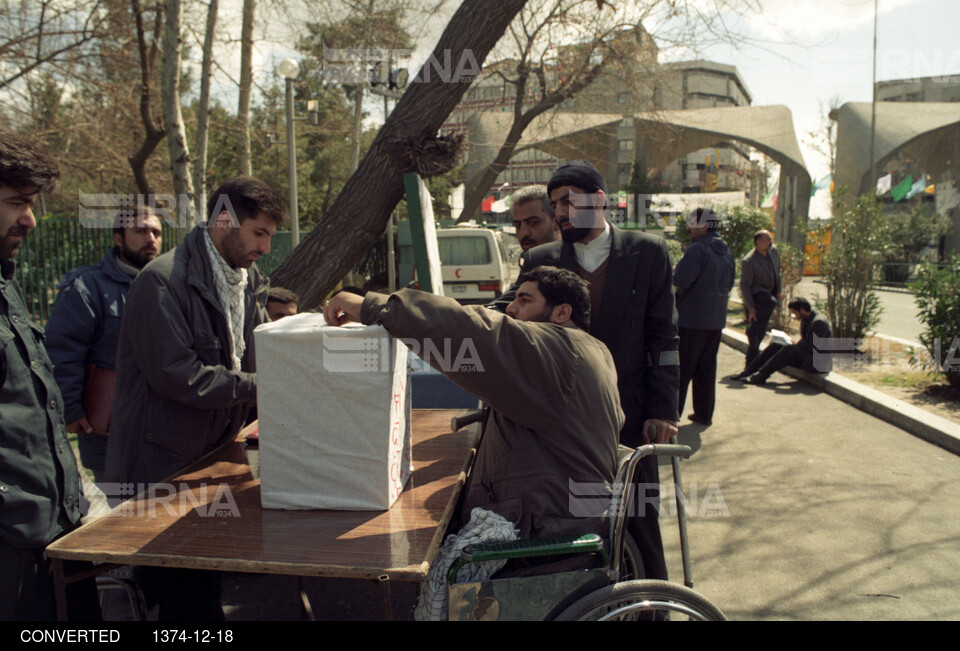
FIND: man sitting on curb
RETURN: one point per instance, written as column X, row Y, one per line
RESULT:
column 551, row 388
column 807, row 354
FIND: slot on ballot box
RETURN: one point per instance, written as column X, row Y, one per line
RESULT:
column 334, row 413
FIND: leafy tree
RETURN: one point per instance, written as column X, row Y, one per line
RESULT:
column 938, row 298
column 858, row 237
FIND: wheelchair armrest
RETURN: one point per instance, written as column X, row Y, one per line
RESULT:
column 529, row 548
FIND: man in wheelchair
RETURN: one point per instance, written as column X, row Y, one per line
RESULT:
column 551, row 388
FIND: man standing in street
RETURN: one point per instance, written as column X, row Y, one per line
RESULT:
column 39, row 482
column 760, row 289
column 532, row 217
column 186, row 377
column 84, row 327
column 633, row 313
column 703, row 278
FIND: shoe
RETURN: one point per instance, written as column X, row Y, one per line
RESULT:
column 756, row 379
column 738, row 377
column 700, row 421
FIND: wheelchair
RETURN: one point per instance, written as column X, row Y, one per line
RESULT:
column 609, row 591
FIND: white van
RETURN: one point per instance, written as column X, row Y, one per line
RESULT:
column 475, row 263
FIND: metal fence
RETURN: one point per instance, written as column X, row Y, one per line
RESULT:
column 59, row 245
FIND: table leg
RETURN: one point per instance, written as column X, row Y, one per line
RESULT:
column 59, row 588
column 386, row 605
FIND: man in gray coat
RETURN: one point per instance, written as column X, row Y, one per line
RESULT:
column 703, row 278
column 760, row 289
column 186, row 377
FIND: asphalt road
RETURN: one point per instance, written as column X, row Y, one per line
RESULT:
column 810, row 509
column 898, row 318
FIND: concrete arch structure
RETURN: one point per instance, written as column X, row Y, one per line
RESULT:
column 925, row 131
column 928, row 132
column 664, row 136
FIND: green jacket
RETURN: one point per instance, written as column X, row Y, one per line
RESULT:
column 39, row 482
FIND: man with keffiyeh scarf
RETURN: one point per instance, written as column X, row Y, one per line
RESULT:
column 186, row 375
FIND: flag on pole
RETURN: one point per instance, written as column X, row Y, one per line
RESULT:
column 822, row 184
column 917, row 187
column 487, row 204
column 501, row 205
column 902, row 188
column 884, row 184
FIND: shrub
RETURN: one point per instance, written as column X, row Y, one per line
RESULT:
column 858, row 237
column 938, row 297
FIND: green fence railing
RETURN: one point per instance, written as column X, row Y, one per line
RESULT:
column 59, row 245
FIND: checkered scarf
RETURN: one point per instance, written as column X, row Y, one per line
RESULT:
column 230, row 284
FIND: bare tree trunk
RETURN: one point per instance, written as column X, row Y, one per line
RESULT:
column 172, row 118
column 246, row 85
column 352, row 226
column 473, row 198
column 203, row 111
column 153, row 131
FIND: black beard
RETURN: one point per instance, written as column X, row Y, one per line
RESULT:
column 134, row 258
column 571, row 235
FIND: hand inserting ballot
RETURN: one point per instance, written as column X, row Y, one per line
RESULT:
column 342, row 308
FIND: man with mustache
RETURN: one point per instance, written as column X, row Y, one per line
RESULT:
column 532, row 217
column 630, row 280
column 84, row 328
column 186, row 372
column 39, row 482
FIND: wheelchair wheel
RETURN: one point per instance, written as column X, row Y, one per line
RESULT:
column 631, row 565
column 637, row 600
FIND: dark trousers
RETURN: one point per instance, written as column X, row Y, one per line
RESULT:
column 756, row 331
column 698, row 363
column 26, row 588
column 775, row 357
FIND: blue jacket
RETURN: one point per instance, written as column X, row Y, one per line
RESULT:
column 84, row 326
column 704, row 278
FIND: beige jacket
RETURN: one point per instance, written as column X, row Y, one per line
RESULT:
column 555, row 411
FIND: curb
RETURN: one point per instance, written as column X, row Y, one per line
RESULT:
column 922, row 424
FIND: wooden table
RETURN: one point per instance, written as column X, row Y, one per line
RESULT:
column 180, row 530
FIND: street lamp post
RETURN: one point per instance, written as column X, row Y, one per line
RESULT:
column 289, row 69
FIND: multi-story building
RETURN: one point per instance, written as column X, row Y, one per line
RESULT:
column 634, row 83
column 922, row 89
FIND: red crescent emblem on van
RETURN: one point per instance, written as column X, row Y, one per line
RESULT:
column 457, row 272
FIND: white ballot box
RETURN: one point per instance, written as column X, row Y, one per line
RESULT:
column 334, row 415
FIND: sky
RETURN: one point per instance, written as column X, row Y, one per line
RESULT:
column 803, row 54
column 811, row 52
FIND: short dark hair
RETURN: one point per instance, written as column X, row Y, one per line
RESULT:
column 247, row 197
column 24, row 165
column 705, row 216
column 282, row 295
column 130, row 217
column 560, row 286
column 759, row 234
column 800, row 304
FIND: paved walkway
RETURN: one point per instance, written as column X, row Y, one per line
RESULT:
column 832, row 514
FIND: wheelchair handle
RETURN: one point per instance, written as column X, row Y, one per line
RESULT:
column 666, row 450
column 458, row 422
